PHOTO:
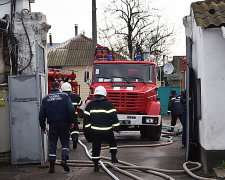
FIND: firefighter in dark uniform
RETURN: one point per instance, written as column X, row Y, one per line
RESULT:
column 100, row 118
column 76, row 101
column 176, row 108
column 59, row 111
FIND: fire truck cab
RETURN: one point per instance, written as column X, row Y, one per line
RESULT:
column 131, row 87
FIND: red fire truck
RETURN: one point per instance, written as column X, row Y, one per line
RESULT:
column 131, row 87
column 63, row 76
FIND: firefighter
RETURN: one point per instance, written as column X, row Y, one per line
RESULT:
column 176, row 108
column 59, row 111
column 100, row 119
column 76, row 101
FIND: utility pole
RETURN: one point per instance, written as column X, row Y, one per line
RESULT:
column 94, row 29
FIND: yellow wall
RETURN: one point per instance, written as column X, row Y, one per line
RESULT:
column 79, row 71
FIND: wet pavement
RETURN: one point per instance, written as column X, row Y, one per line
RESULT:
column 164, row 157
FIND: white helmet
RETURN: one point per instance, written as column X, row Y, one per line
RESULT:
column 100, row 90
column 66, row 87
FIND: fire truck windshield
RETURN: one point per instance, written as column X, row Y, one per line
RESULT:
column 124, row 73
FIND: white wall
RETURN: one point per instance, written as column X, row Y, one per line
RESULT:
column 4, row 9
column 208, row 59
column 37, row 28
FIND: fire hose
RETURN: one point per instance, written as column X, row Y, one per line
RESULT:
column 125, row 165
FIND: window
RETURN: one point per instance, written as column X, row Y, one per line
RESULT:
column 124, row 73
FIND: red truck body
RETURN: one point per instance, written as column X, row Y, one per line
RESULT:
column 131, row 87
column 139, row 99
column 62, row 76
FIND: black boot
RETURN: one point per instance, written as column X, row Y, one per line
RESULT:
column 64, row 164
column 96, row 169
column 52, row 167
column 113, row 158
column 74, row 144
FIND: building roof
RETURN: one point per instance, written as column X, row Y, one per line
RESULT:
column 209, row 13
column 74, row 52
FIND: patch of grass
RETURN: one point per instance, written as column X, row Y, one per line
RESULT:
column 221, row 165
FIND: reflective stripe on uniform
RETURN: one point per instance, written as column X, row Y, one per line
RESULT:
column 96, row 157
column 111, row 110
column 76, row 104
column 88, row 125
column 86, row 112
column 101, row 128
column 74, row 132
column 103, row 111
column 113, row 148
column 65, row 149
column 117, row 124
column 52, row 155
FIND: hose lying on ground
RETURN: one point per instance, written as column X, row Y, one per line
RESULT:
column 126, row 165
column 100, row 162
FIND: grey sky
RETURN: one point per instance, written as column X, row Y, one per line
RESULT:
column 62, row 15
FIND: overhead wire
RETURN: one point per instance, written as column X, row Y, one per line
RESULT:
column 13, row 44
column 5, row 3
column 28, row 39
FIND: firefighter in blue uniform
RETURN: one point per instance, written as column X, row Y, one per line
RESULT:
column 100, row 119
column 76, row 101
column 176, row 108
column 59, row 111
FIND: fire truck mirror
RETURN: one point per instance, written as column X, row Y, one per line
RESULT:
column 86, row 77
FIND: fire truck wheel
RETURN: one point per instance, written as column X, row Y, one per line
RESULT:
column 152, row 133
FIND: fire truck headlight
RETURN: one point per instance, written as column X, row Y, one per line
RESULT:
column 149, row 120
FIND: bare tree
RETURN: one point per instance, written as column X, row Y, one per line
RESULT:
column 132, row 23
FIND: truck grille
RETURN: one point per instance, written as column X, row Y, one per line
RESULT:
column 128, row 103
